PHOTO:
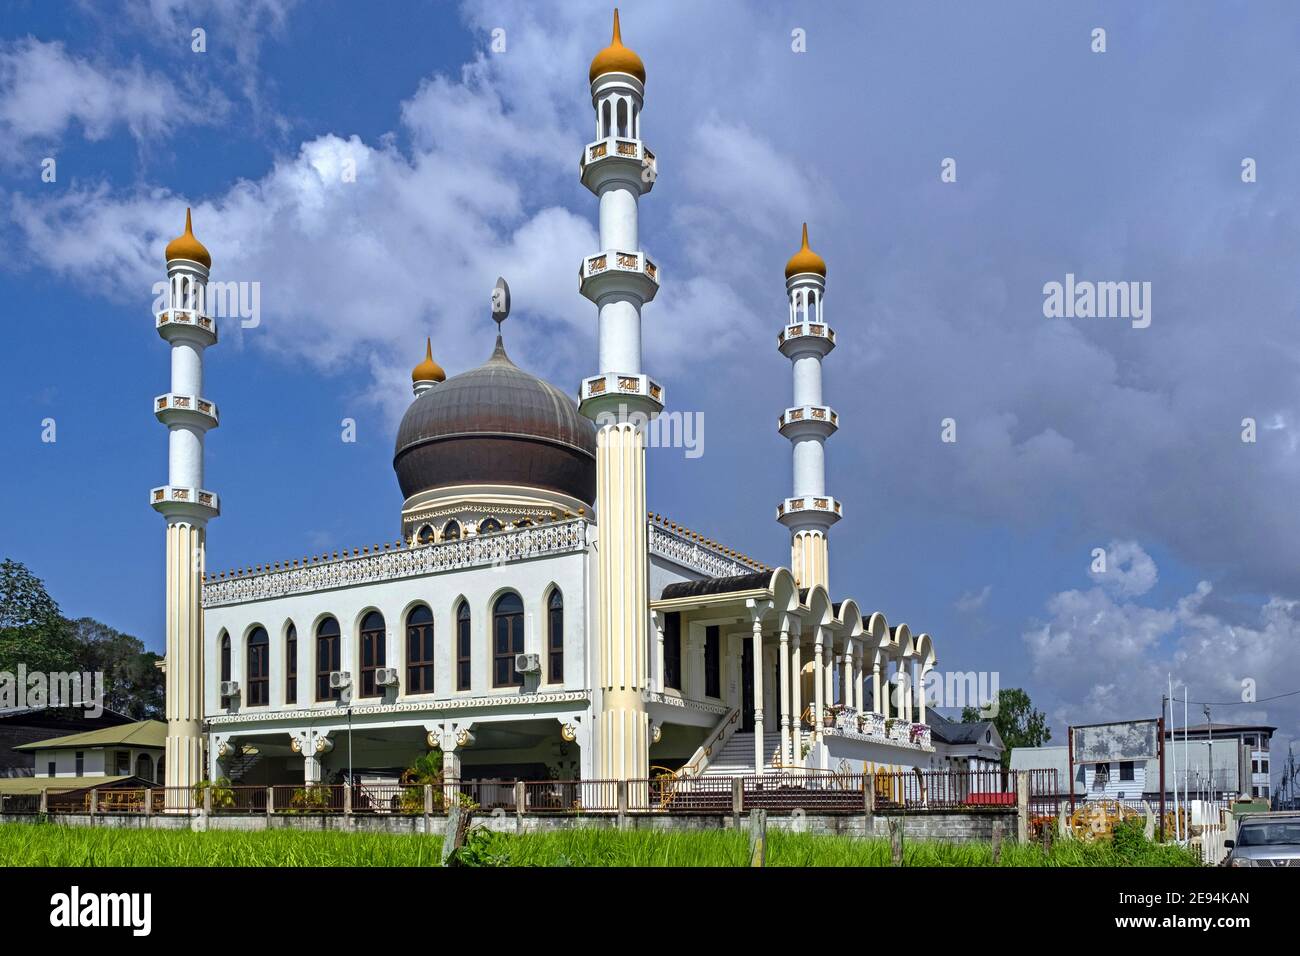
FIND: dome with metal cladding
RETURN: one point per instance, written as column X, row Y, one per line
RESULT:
column 496, row 425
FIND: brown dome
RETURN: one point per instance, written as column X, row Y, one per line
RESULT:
column 496, row 424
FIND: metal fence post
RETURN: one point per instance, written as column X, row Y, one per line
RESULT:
column 1022, row 807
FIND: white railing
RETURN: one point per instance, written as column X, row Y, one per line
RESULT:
column 497, row 548
column 694, row 555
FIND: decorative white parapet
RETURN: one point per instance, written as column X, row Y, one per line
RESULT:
column 873, row 728
column 694, row 554
column 501, row 547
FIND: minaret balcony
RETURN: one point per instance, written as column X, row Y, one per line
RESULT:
column 809, row 511
column 186, row 323
column 805, row 336
column 615, row 270
column 621, row 159
column 174, row 501
column 617, row 396
column 804, row 420
column 173, row 409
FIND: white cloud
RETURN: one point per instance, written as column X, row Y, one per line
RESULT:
column 973, row 600
column 45, row 90
column 1129, row 571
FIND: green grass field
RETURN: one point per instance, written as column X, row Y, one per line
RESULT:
column 52, row 845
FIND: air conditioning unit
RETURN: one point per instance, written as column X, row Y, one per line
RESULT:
column 230, row 688
column 385, row 676
column 340, row 679
column 528, row 663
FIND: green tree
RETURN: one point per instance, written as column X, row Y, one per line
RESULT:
column 32, row 631
column 1017, row 722
column 133, row 684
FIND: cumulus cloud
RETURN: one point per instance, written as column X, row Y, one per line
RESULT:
column 1127, row 569
column 45, row 91
column 973, row 600
column 1099, row 655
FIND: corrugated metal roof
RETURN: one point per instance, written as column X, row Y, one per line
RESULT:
column 144, row 733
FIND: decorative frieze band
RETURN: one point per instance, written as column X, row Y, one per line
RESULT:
column 524, row 701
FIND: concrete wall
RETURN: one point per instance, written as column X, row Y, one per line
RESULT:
column 952, row 827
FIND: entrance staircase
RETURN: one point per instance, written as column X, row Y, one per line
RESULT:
column 237, row 767
column 737, row 756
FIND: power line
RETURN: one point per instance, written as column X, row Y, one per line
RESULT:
column 1238, row 703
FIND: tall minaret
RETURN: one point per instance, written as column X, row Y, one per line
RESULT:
column 185, row 503
column 620, row 279
column 805, row 340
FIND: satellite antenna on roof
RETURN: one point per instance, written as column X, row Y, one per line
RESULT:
column 500, row 302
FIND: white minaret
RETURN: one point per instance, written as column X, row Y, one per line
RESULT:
column 185, row 503
column 806, row 339
column 620, row 279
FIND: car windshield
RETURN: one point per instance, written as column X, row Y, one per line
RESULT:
column 1265, row 834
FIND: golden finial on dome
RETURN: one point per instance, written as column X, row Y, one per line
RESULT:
column 616, row 58
column 805, row 260
column 185, row 246
column 428, row 370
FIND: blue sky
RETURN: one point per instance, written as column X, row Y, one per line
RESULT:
column 1073, row 434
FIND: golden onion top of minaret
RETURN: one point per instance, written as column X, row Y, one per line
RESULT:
column 186, row 246
column 805, row 260
column 616, row 58
column 428, row 370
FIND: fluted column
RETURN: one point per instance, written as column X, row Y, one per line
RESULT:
column 784, row 694
column 796, row 696
column 819, row 682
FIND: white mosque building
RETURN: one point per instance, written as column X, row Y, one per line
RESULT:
column 533, row 621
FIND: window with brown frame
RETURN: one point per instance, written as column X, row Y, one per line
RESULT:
column 328, row 658
column 225, row 665
column 419, row 651
column 462, row 647
column 372, row 653
column 507, row 640
column 258, row 676
column 555, row 638
column 291, row 665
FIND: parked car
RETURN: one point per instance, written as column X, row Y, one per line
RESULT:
column 1266, row 839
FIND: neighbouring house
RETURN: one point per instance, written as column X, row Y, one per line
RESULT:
column 126, row 750
column 26, row 725
column 1204, row 770
column 975, row 747
column 1252, row 740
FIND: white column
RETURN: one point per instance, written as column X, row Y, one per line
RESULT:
column 921, row 694
column 796, row 694
column 846, row 679
column 858, row 687
column 659, row 651
column 876, row 700
column 819, row 683
column 758, row 695
column 783, row 693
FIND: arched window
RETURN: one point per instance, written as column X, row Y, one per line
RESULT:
column 144, row 767
column 372, row 652
column 488, row 525
column 426, row 535
column 604, row 120
column 555, row 638
column 291, row 665
column 328, row 657
column 507, row 640
column 462, row 646
column 451, row 530
column 419, row 651
column 258, row 676
column 622, row 117
column 162, row 769
column 225, row 664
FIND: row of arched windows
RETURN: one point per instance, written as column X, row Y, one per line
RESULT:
column 618, row 116
column 507, row 640
column 453, row 530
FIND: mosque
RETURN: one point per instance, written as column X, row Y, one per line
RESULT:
column 533, row 621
